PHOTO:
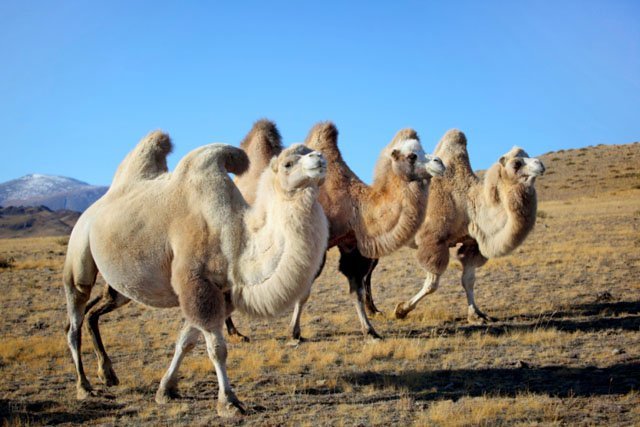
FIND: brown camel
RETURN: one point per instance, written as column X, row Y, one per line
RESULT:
column 366, row 222
column 488, row 218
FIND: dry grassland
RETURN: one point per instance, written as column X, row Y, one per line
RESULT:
column 565, row 349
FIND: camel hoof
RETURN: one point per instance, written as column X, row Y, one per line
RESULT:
column 376, row 313
column 85, row 393
column 372, row 336
column 295, row 342
column 238, row 338
column 109, row 378
column 400, row 311
column 230, row 409
column 166, row 395
column 478, row 318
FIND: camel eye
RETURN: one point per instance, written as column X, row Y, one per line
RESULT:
column 288, row 164
column 517, row 164
column 412, row 157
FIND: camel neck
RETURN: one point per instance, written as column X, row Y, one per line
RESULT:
column 388, row 214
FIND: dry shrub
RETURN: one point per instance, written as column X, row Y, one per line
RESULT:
column 7, row 262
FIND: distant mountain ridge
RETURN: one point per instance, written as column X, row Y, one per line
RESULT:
column 35, row 221
column 54, row 192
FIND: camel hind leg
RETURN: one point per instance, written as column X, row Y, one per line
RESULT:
column 368, row 295
column 79, row 277
column 109, row 300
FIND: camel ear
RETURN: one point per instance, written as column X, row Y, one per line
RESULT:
column 395, row 155
column 503, row 160
column 273, row 164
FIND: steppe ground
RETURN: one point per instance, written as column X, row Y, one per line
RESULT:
column 565, row 349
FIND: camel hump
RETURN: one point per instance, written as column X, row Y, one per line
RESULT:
column 147, row 160
column 453, row 145
column 404, row 135
column 323, row 137
column 264, row 135
column 212, row 159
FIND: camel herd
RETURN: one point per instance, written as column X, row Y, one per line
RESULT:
column 195, row 239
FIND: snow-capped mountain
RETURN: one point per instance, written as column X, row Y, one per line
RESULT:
column 54, row 192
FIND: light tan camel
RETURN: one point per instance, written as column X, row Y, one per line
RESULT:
column 365, row 221
column 189, row 239
column 488, row 217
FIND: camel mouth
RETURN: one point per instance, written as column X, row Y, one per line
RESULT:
column 315, row 167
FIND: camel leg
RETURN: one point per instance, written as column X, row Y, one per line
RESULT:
column 294, row 325
column 204, row 307
column 355, row 267
column 368, row 295
column 108, row 301
column 474, row 315
column 471, row 258
column 77, row 294
column 430, row 286
column 233, row 332
column 228, row 403
column 169, row 384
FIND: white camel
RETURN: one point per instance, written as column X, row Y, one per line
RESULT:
column 189, row 239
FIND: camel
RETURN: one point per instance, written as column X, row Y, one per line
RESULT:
column 366, row 222
column 488, row 218
column 187, row 238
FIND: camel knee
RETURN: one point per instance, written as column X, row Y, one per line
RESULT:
column 431, row 283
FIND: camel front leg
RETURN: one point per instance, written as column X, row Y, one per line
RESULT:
column 430, row 286
column 108, row 301
column 204, row 307
column 228, row 404
column 294, row 325
column 474, row 315
column 355, row 268
column 169, row 384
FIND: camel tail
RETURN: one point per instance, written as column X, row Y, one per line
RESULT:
column 213, row 159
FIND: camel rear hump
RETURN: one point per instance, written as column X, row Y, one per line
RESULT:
column 323, row 137
column 146, row 161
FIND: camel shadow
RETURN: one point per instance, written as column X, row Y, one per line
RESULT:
column 556, row 381
column 599, row 316
column 48, row 412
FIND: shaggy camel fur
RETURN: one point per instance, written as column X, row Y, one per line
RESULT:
column 489, row 217
column 189, row 239
column 366, row 222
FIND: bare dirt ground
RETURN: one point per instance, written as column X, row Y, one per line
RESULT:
column 565, row 349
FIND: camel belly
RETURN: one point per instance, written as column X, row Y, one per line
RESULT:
column 151, row 291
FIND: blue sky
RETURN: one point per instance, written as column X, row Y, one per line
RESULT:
column 82, row 82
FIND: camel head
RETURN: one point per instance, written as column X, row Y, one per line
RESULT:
column 409, row 161
column 518, row 167
column 298, row 167
column 434, row 166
